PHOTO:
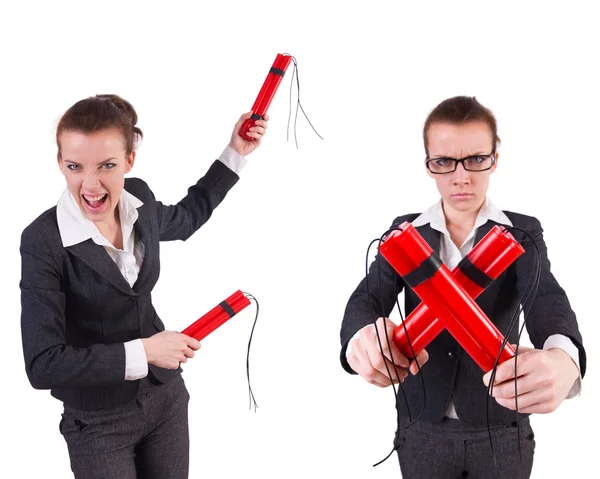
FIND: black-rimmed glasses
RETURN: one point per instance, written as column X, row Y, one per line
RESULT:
column 442, row 166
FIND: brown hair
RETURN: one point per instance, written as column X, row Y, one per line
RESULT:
column 460, row 110
column 102, row 112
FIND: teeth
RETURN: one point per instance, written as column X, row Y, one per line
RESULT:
column 94, row 198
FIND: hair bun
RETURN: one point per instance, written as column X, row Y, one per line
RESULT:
column 122, row 105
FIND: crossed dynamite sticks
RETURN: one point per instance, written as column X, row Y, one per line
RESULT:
column 448, row 297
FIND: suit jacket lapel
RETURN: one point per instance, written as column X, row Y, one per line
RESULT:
column 431, row 236
column 485, row 229
column 96, row 257
column 142, row 232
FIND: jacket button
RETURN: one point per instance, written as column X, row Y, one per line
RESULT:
column 451, row 354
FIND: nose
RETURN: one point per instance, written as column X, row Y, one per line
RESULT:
column 90, row 180
column 461, row 176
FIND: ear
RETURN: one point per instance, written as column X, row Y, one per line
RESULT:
column 495, row 165
column 427, row 169
column 60, row 164
column 129, row 161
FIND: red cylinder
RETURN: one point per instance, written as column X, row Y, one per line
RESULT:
column 217, row 316
column 266, row 93
column 421, row 268
column 496, row 251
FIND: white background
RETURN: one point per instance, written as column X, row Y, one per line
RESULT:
column 294, row 231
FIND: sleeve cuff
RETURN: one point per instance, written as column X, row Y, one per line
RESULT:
column 233, row 160
column 562, row 342
column 136, row 364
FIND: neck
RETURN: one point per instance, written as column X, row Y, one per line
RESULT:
column 111, row 224
column 460, row 219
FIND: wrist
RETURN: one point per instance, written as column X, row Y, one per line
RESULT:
column 146, row 343
column 235, row 148
column 567, row 359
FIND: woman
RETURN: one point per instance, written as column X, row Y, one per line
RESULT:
column 89, row 264
column 451, row 437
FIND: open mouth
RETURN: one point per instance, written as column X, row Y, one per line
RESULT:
column 95, row 202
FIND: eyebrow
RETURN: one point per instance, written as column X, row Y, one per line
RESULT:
column 452, row 158
column 101, row 163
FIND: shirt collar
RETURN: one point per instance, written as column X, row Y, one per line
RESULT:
column 75, row 228
column 434, row 215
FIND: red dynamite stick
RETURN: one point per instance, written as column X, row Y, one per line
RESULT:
column 491, row 256
column 217, row 316
column 266, row 94
column 213, row 319
column 411, row 256
column 211, row 316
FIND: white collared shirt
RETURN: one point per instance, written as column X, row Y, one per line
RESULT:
column 75, row 228
column 451, row 255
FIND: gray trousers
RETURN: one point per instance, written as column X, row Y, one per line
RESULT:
column 451, row 449
column 144, row 439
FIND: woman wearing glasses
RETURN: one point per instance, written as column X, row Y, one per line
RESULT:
column 451, row 437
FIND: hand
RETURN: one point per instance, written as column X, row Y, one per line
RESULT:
column 366, row 359
column 245, row 147
column 168, row 349
column 544, row 379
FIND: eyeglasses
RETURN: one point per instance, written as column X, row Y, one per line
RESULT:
column 442, row 166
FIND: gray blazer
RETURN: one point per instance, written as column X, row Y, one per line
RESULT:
column 450, row 372
column 78, row 310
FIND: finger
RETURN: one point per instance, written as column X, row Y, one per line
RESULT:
column 539, row 408
column 385, row 366
column 191, row 342
column 372, row 372
column 523, row 349
column 418, row 362
column 376, row 358
column 525, row 384
column 261, row 123
column 253, row 134
column 258, row 129
column 241, row 120
column 365, row 370
column 386, row 328
column 266, row 117
column 391, row 352
column 372, row 376
column 189, row 352
column 506, row 370
column 524, row 400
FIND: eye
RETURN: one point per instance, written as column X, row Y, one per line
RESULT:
column 442, row 162
column 108, row 166
column 477, row 159
column 72, row 167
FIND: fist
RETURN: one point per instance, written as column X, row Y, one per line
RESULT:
column 168, row 349
column 366, row 358
column 243, row 146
